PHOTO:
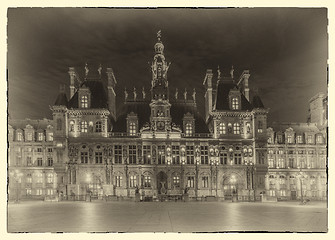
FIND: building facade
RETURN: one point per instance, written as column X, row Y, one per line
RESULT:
column 158, row 145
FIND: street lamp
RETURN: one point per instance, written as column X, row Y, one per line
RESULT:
column 182, row 166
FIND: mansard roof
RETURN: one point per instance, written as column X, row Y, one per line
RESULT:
column 222, row 96
column 143, row 111
column 36, row 124
column 297, row 127
column 98, row 95
column 61, row 100
column 257, row 102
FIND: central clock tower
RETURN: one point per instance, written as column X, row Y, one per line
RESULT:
column 160, row 107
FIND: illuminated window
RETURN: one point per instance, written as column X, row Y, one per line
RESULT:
column 118, row 181
column 289, row 139
column 188, row 129
column 146, row 154
column 38, row 191
column 161, row 154
column 309, row 139
column 50, row 178
column 50, row 191
column 175, row 154
column 147, row 181
column 40, row 136
column 222, row 128
column 98, row 126
column 29, row 136
column 236, row 128
column 84, row 127
column 281, row 163
column 29, row 178
column 28, row 191
column 39, row 178
column 234, row 103
column 271, row 162
column 84, row 102
column 190, row 182
column 19, row 136
column 71, row 128
column 132, row 129
column 133, row 181
column 176, row 181
column 319, row 139
column 260, row 127
column 299, row 139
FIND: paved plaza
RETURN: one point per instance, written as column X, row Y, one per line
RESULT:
column 166, row 217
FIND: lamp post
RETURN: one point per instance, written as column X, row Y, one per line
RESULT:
column 301, row 191
column 182, row 167
column 216, row 171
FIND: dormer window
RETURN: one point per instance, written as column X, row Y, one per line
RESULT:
column 236, row 128
column 260, row 127
column 188, row 129
column 289, row 139
column 132, row 129
column 29, row 136
column 84, row 101
column 40, row 136
column 19, row 136
column 299, row 139
column 234, row 103
column 319, row 139
column 309, row 139
column 222, row 128
column 71, row 128
column 83, row 127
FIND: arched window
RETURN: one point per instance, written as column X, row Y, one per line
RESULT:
column 188, row 129
column 84, row 101
column 260, row 127
column 71, row 129
column 98, row 126
column 84, row 127
column 236, row 128
column 222, row 128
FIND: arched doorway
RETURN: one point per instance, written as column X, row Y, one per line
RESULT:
column 231, row 184
column 162, row 183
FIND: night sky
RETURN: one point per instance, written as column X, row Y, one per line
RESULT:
column 285, row 50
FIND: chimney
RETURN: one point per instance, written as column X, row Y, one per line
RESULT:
column 74, row 81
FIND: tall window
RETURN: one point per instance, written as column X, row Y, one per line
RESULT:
column 223, row 158
column 59, row 124
column 50, row 161
column 39, row 178
column 132, row 129
column 188, row 129
column 236, row 128
column 222, row 128
column 237, row 158
column 176, row 181
column 39, row 150
column 291, row 162
column 147, row 181
column 29, row 178
column 289, row 139
column 175, row 154
column 280, row 138
column 98, row 126
column 189, row 154
column 146, row 154
column 133, row 181
column 309, row 139
column 190, row 182
column 319, row 139
column 50, row 136
column 19, row 136
column 29, row 163
column 204, row 181
column 39, row 162
column 271, row 162
column 98, row 157
column 71, row 128
column 118, row 154
column 234, row 103
column 118, row 181
column 132, row 154
column 50, row 178
column 204, row 154
column 161, row 154
column 84, row 127
column 29, row 136
column 40, row 136
column 299, row 139
column 38, row 191
column 84, row 102
column 84, row 157
column 281, row 162
column 260, row 127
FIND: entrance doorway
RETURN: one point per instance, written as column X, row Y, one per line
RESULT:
column 293, row 195
column 162, row 183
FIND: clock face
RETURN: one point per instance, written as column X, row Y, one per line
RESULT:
column 160, row 125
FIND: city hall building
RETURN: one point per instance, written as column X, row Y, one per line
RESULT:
column 159, row 146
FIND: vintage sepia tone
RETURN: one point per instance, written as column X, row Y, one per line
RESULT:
column 158, row 154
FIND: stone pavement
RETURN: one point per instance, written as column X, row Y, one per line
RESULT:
column 166, row 217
